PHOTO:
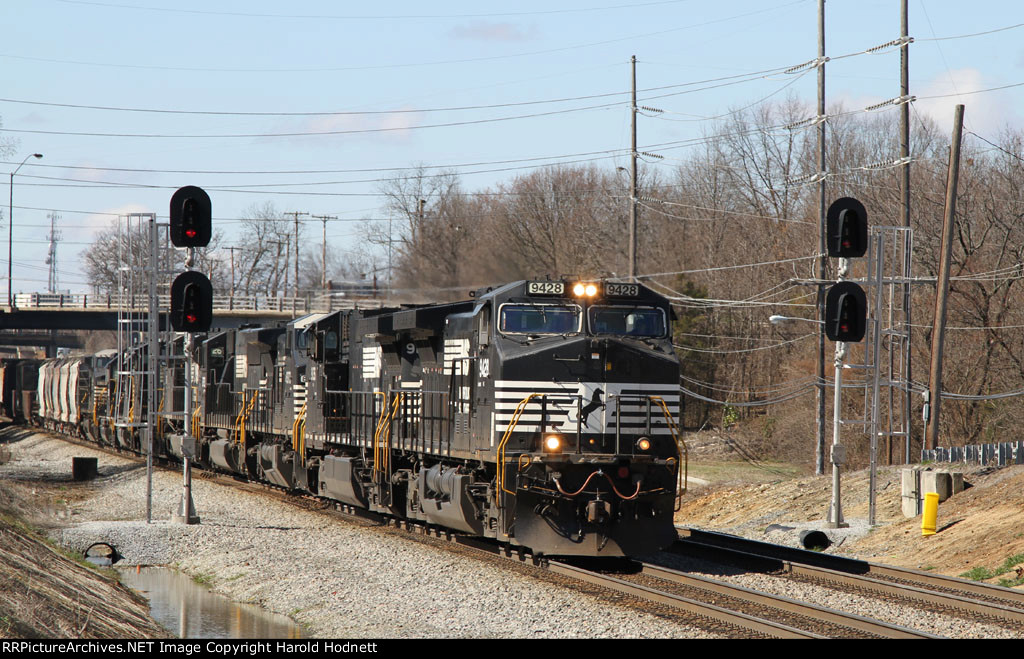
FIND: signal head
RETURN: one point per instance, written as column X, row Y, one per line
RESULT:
column 191, row 217
column 846, row 312
column 191, row 302
column 847, row 228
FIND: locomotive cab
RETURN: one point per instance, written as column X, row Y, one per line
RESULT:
column 586, row 401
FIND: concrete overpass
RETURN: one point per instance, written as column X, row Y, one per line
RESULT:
column 51, row 320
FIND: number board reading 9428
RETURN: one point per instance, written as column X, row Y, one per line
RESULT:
column 622, row 290
column 545, row 288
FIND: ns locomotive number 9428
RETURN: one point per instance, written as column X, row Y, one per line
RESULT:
column 539, row 413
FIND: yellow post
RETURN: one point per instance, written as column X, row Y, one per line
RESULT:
column 931, row 512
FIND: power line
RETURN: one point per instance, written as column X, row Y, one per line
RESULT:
column 389, row 17
column 412, row 64
column 312, row 133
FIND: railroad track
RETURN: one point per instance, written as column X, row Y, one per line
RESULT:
column 746, row 610
column 940, row 593
column 723, row 608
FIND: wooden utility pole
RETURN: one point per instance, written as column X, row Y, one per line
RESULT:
column 295, row 286
column 323, row 249
column 819, row 452
column 232, row 251
column 632, row 181
column 905, row 212
column 942, row 290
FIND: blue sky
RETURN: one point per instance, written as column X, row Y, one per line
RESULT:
column 238, row 85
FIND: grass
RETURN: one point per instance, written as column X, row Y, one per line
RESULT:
column 203, row 578
column 743, row 472
column 984, row 573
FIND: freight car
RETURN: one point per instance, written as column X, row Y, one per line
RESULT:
column 539, row 413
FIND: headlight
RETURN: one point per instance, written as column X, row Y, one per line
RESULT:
column 581, row 289
column 552, row 443
column 643, row 444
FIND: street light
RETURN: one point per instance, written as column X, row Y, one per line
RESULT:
column 10, row 229
column 779, row 320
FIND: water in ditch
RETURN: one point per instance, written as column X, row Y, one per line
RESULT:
column 189, row 610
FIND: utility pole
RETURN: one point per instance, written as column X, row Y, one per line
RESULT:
column 632, row 179
column 51, row 258
column 152, row 362
column 819, row 451
column 295, row 287
column 390, row 274
column 232, row 250
column 942, row 289
column 323, row 249
column 905, row 208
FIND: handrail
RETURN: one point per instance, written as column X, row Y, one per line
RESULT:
column 501, row 448
column 382, row 455
column 300, row 418
column 377, row 429
column 243, row 416
column 675, row 440
column 196, row 416
column 196, row 423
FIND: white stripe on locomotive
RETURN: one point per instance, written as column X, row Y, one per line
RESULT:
column 593, row 407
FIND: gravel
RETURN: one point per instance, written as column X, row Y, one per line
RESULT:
column 336, row 579
column 341, row 579
column 878, row 608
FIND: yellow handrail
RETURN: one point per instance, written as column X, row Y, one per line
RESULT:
column 377, row 429
column 382, row 455
column 131, row 408
column 501, row 448
column 196, row 416
column 684, row 456
column 243, row 415
column 300, row 418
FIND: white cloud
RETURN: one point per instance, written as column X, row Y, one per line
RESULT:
column 484, row 31
column 985, row 113
column 97, row 222
column 316, row 131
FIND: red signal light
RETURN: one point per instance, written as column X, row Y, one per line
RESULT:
column 190, row 213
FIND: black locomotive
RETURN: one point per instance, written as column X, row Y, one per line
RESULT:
column 539, row 413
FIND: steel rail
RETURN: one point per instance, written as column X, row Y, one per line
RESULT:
column 951, row 600
column 921, row 578
column 717, row 613
column 902, row 582
column 806, row 609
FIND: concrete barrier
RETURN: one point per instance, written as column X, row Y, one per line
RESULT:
column 918, row 482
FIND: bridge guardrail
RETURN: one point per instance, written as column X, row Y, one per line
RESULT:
column 262, row 303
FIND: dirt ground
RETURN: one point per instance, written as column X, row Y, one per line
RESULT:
column 45, row 593
column 980, row 527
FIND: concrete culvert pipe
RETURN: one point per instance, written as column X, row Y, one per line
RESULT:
column 815, row 540
column 84, row 469
column 102, row 553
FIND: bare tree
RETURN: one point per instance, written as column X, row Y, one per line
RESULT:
column 264, row 253
column 119, row 256
column 434, row 225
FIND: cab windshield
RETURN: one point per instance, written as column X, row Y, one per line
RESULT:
column 627, row 321
column 539, row 319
